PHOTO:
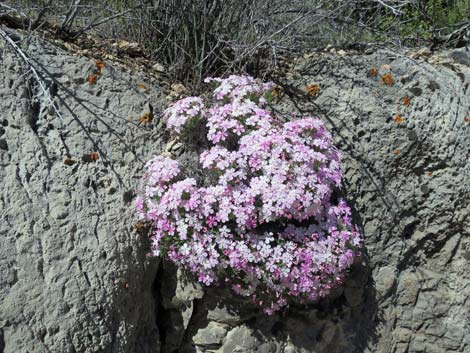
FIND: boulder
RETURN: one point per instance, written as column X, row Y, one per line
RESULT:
column 74, row 275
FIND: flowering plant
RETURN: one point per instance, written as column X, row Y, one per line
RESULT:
column 267, row 223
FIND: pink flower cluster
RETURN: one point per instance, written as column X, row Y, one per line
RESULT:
column 182, row 111
column 267, row 225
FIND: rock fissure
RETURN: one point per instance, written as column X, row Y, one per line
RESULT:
column 2, row 342
column 161, row 314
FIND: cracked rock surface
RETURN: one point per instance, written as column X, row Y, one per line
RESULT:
column 73, row 272
column 74, row 276
column 406, row 150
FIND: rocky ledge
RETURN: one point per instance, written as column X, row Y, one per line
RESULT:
column 74, row 276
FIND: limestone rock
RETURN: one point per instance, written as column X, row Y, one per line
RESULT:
column 409, row 185
column 74, row 275
column 210, row 336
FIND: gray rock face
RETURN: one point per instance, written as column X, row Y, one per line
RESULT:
column 410, row 186
column 74, row 276
column 407, row 176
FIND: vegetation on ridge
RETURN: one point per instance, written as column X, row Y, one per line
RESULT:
column 198, row 38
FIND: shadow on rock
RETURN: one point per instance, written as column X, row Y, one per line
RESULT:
column 345, row 322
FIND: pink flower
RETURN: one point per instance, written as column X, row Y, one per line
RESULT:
column 258, row 173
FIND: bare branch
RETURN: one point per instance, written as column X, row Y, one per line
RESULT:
column 395, row 9
column 36, row 75
column 70, row 15
column 104, row 20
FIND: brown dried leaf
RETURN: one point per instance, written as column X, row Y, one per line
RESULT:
column 100, row 64
column 312, row 89
column 92, row 78
column 406, row 100
column 90, row 157
column 142, row 85
column 139, row 226
column 388, row 79
column 277, row 91
column 373, row 72
column 398, row 119
column 146, row 118
column 69, row 161
column 94, row 156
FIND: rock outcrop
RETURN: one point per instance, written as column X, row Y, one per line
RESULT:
column 74, row 276
column 73, row 272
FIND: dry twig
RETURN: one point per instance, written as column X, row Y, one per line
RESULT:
column 30, row 65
